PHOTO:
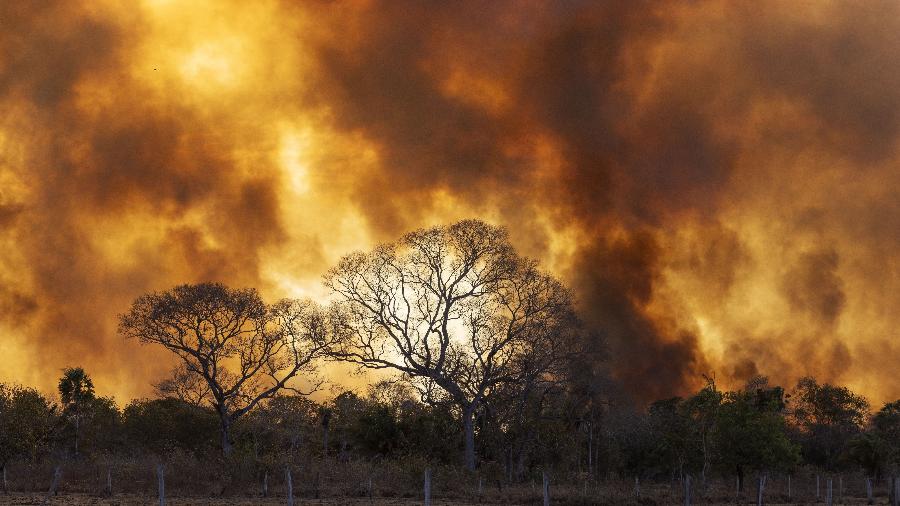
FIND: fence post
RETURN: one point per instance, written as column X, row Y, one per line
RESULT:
column 55, row 483
column 428, row 487
column 869, row 498
column 789, row 487
column 637, row 487
column 841, row 489
column 290, row 485
column 265, row 490
column 687, row 490
column 760, row 485
column 828, row 493
column 161, row 480
column 817, row 488
column 109, row 481
column 546, row 488
column 896, row 488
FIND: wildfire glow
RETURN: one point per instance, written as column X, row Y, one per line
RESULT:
column 721, row 202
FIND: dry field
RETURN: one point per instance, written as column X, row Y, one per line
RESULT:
column 78, row 499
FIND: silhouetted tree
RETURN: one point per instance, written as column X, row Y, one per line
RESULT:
column 879, row 448
column 828, row 417
column 456, row 310
column 163, row 425
column 27, row 420
column 244, row 350
column 185, row 385
column 76, row 390
column 750, row 432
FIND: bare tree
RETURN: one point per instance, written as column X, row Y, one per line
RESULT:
column 244, row 350
column 453, row 308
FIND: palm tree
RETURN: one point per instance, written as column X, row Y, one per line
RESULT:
column 75, row 390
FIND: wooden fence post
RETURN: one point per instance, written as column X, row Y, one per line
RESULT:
column 637, row 487
column 428, row 487
column 829, row 499
column 687, row 490
column 265, row 490
column 546, row 488
column 5, row 483
column 109, row 481
column 817, row 488
column 896, row 490
column 290, row 485
column 789, row 487
column 161, row 480
column 55, row 483
column 760, row 486
column 841, row 489
column 869, row 498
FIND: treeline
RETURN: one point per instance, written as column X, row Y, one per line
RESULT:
column 488, row 363
column 712, row 434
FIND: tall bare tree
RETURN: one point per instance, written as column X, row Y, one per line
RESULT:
column 244, row 350
column 453, row 308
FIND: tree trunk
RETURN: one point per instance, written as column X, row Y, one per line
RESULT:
column 590, row 454
column 469, row 431
column 226, row 434
column 77, row 430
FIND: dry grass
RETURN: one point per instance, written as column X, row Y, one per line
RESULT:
column 393, row 483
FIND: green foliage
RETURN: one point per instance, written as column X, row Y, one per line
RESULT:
column 75, row 388
column 750, row 432
column 163, row 425
column 827, row 418
column 27, row 423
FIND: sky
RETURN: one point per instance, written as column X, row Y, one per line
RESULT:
column 716, row 181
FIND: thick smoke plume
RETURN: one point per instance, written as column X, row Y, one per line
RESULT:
column 717, row 181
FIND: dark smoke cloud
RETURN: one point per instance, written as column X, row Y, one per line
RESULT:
column 716, row 181
column 813, row 287
column 131, row 166
column 568, row 86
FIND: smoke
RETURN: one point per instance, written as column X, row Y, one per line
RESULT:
column 716, row 182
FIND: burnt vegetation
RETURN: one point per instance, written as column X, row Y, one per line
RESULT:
column 486, row 377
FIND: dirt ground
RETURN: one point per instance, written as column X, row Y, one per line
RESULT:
column 134, row 500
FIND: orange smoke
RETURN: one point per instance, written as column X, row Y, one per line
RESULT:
column 717, row 181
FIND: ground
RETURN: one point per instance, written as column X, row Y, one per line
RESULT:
column 135, row 500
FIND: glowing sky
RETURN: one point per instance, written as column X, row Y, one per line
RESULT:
column 717, row 181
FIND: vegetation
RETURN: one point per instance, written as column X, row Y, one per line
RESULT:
column 492, row 370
